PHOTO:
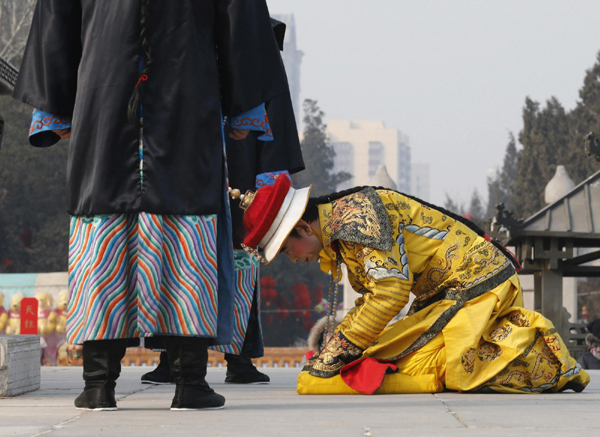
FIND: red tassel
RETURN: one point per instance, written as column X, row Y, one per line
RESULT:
column 143, row 78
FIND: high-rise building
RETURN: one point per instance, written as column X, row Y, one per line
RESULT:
column 362, row 146
column 419, row 181
column 292, row 58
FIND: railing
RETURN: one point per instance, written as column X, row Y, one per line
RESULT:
column 274, row 357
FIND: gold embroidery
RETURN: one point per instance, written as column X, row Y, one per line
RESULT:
column 468, row 360
column 519, row 319
column 426, row 219
column 488, row 351
column 535, row 370
column 338, row 352
column 500, row 333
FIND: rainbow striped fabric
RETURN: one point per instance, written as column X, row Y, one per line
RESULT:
column 133, row 275
column 247, row 284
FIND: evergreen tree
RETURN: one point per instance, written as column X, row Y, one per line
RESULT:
column 584, row 118
column 552, row 137
column 476, row 212
column 501, row 184
column 318, row 154
column 508, row 174
column 452, row 206
column 545, row 138
column 495, row 195
column 318, row 157
column 34, row 226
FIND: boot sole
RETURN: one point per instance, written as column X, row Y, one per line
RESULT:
column 158, row 383
column 248, row 383
column 198, row 409
column 97, row 409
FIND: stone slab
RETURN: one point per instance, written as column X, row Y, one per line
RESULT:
column 19, row 364
column 277, row 410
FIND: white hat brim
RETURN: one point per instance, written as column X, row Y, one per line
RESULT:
column 289, row 215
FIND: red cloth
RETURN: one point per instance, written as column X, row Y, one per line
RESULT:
column 366, row 374
column 308, row 355
column 264, row 208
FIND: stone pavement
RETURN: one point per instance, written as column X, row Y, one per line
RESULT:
column 276, row 410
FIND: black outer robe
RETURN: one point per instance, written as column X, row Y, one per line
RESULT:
column 248, row 158
column 209, row 56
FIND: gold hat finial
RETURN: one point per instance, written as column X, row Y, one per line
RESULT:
column 245, row 199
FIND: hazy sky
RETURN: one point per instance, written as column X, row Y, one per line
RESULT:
column 451, row 74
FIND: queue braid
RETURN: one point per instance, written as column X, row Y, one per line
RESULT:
column 133, row 108
column 312, row 213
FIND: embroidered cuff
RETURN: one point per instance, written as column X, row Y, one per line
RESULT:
column 42, row 125
column 256, row 120
column 269, row 178
column 338, row 352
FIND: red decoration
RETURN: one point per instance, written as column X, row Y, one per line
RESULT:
column 307, row 319
column 301, row 297
column 268, row 281
column 317, row 293
column 267, row 291
column 29, row 316
column 143, row 78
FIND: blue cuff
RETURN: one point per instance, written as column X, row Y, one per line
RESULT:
column 42, row 125
column 256, row 120
column 269, row 178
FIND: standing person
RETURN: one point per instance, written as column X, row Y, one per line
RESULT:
column 253, row 164
column 591, row 358
column 257, row 160
column 467, row 329
column 141, row 86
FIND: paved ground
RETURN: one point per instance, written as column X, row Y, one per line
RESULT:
column 276, row 410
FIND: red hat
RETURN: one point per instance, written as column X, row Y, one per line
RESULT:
column 272, row 214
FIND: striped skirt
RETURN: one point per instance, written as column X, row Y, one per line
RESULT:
column 247, row 288
column 137, row 275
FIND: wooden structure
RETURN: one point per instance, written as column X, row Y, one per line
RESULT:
column 560, row 241
column 274, row 357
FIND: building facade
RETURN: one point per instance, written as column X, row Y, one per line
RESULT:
column 362, row 146
column 419, row 181
column 292, row 59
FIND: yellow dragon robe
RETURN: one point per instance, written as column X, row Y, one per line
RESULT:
column 466, row 329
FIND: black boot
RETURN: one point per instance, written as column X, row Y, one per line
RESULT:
column 162, row 373
column 188, row 357
column 240, row 370
column 101, row 368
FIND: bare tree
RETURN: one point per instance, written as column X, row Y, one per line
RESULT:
column 15, row 21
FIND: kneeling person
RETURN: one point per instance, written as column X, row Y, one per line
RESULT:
column 467, row 329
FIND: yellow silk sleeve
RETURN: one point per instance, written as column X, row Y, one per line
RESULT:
column 386, row 290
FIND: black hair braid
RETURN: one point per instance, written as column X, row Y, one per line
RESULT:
column 312, row 213
column 133, row 107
